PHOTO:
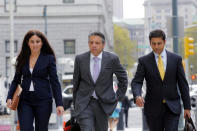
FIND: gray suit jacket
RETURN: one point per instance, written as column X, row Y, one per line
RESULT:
column 83, row 82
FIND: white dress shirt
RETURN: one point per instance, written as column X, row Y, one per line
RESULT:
column 31, row 85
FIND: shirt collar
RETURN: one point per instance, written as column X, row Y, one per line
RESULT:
column 163, row 54
column 99, row 56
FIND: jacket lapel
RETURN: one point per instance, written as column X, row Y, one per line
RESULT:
column 168, row 63
column 26, row 68
column 87, row 60
column 37, row 63
column 103, row 63
column 155, row 67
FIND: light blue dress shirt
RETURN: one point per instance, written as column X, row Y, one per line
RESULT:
column 163, row 56
column 92, row 66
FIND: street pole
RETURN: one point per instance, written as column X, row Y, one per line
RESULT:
column 187, row 69
column 175, row 26
column 12, row 51
column 11, row 37
column 175, row 45
column 45, row 19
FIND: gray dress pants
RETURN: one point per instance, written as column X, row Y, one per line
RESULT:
column 93, row 118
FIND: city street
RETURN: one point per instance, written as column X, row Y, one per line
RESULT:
column 135, row 118
column 83, row 49
column 134, row 122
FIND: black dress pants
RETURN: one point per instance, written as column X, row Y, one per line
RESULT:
column 166, row 121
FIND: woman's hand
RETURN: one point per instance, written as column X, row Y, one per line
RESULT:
column 9, row 103
column 60, row 110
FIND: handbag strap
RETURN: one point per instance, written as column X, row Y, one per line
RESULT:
column 191, row 121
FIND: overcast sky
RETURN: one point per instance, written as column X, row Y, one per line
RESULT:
column 133, row 8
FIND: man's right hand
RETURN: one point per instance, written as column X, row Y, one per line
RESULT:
column 139, row 101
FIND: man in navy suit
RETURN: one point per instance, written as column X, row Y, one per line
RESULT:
column 163, row 71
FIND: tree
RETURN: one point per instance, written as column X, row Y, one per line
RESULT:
column 124, row 47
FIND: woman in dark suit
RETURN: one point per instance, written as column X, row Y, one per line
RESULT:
column 37, row 74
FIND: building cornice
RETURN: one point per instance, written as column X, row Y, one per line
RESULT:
column 169, row 3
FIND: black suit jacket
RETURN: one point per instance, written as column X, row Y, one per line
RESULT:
column 44, row 78
column 84, row 84
column 156, row 89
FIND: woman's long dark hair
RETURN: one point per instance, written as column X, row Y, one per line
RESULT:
column 25, row 52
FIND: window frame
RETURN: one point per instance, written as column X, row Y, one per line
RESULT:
column 68, row 1
column 73, row 46
column 7, row 46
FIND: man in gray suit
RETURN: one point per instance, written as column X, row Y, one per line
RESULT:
column 93, row 95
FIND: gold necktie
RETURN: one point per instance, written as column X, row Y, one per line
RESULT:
column 161, row 67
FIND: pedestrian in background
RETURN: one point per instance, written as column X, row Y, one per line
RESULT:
column 114, row 118
column 163, row 71
column 126, row 104
column 93, row 95
column 37, row 74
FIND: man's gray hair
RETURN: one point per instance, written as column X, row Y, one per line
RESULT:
column 97, row 34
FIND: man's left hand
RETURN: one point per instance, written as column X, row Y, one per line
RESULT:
column 187, row 113
column 60, row 110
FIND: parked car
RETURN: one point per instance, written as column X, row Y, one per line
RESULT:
column 7, row 111
column 192, row 87
column 4, row 110
column 193, row 96
column 1, row 108
column 67, row 96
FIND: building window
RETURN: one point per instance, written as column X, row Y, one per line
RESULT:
column 7, row 66
column 167, row 10
column 69, row 46
column 158, row 11
column 158, row 17
column 186, row 23
column 7, row 46
column 158, row 25
column 68, row 1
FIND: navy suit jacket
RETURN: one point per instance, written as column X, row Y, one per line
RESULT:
column 44, row 78
column 156, row 89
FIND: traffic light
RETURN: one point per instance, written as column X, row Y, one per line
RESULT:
column 193, row 76
column 189, row 46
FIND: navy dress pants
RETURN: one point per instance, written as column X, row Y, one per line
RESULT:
column 31, row 110
column 166, row 121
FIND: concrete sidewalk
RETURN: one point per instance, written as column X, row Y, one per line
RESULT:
column 126, row 129
column 133, row 129
column 130, row 129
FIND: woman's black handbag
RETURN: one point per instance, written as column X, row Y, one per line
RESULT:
column 189, row 125
column 72, row 125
